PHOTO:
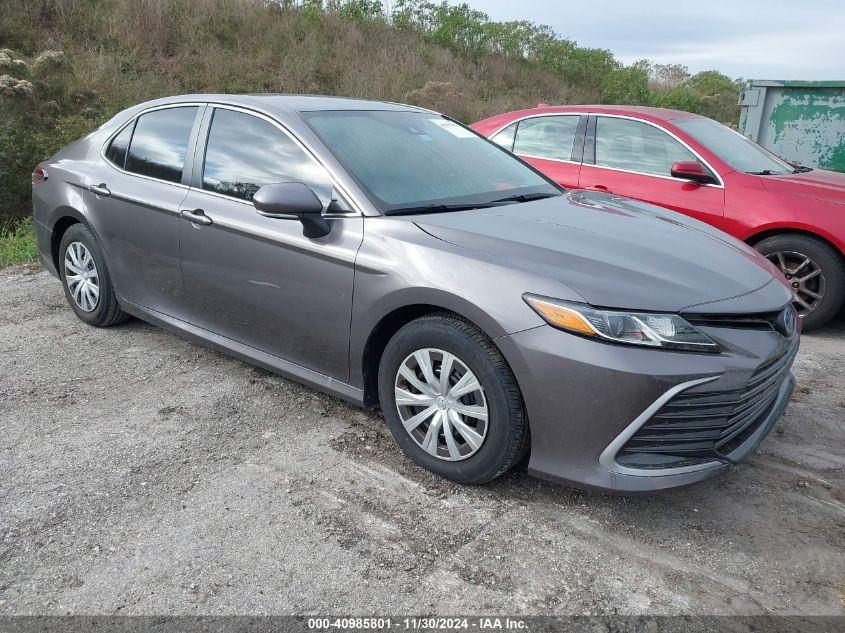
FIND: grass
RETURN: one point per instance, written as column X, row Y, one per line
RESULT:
column 17, row 244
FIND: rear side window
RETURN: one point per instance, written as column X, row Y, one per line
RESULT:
column 546, row 137
column 245, row 152
column 636, row 146
column 116, row 153
column 505, row 137
column 160, row 143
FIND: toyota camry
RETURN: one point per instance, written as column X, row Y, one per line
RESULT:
column 393, row 257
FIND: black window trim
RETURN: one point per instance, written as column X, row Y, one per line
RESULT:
column 187, row 168
column 590, row 150
column 202, row 145
column 111, row 140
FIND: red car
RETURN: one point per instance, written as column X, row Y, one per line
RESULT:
column 795, row 216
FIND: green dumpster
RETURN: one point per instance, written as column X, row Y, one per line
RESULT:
column 800, row 121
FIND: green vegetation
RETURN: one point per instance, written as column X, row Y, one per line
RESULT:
column 66, row 66
column 17, row 244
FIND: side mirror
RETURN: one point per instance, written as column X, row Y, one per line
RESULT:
column 293, row 201
column 692, row 170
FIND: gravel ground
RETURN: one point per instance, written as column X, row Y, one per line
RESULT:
column 144, row 474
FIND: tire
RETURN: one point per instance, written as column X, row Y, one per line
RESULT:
column 104, row 312
column 505, row 431
column 821, row 255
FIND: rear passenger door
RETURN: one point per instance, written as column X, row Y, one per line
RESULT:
column 132, row 202
column 255, row 279
column 551, row 143
column 634, row 159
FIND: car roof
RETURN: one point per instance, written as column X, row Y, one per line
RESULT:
column 644, row 111
column 486, row 126
column 285, row 103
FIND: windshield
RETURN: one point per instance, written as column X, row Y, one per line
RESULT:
column 418, row 161
column 737, row 151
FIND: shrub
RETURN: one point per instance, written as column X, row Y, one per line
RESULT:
column 17, row 243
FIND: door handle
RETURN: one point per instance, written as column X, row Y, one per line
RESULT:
column 100, row 190
column 598, row 188
column 196, row 216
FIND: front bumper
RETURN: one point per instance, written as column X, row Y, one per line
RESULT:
column 585, row 399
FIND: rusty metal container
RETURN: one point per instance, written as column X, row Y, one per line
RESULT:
column 800, row 121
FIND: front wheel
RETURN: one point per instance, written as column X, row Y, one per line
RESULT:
column 451, row 401
column 815, row 271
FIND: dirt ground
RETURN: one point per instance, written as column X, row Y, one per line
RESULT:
column 144, row 474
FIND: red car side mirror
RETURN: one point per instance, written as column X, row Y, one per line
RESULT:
column 692, row 170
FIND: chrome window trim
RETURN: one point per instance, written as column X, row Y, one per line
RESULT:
column 190, row 104
column 608, row 457
column 553, row 160
column 645, row 173
column 720, row 185
column 187, row 104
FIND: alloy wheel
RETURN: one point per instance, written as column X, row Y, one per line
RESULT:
column 805, row 277
column 441, row 404
column 82, row 278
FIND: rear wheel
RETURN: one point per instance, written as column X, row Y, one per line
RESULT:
column 815, row 271
column 86, row 278
column 451, row 401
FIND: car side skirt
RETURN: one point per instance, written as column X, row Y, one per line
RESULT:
column 251, row 355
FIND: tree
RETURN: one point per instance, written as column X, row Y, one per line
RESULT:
column 665, row 76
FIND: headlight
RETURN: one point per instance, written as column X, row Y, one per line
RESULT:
column 668, row 331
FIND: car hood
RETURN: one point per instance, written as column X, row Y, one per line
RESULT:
column 818, row 184
column 615, row 252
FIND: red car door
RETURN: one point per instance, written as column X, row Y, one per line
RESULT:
column 634, row 158
column 551, row 143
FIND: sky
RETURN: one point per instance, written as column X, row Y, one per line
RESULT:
column 749, row 39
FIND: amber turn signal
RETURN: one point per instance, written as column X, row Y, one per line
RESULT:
column 561, row 316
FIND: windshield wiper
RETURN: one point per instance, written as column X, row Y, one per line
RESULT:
column 440, row 208
column 527, row 197
column 765, row 172
column 437, row 208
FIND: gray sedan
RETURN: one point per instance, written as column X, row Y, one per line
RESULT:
column 393, row 257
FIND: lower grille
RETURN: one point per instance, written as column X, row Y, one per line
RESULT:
column 696, row 428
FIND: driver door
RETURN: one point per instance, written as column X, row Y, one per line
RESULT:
column 258, row 280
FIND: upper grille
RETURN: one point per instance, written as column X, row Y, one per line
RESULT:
column 782, row 320
column 699, row 427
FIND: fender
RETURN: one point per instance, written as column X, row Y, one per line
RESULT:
column 784, row 227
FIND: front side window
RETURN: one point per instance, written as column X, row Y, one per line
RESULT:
column 409, row 159
column 739, row 152
column 116, row 152
column 636, row 146
column 546, row 137
column 245, row 152
column 160, row 143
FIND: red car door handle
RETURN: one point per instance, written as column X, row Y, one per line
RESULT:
column 598, row 188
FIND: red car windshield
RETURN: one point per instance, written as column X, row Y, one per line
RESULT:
column 732, row 147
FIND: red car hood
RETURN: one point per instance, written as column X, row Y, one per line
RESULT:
column 818, row 184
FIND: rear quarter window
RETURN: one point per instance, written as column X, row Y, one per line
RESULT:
column 160, row 143
column 116, row 151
